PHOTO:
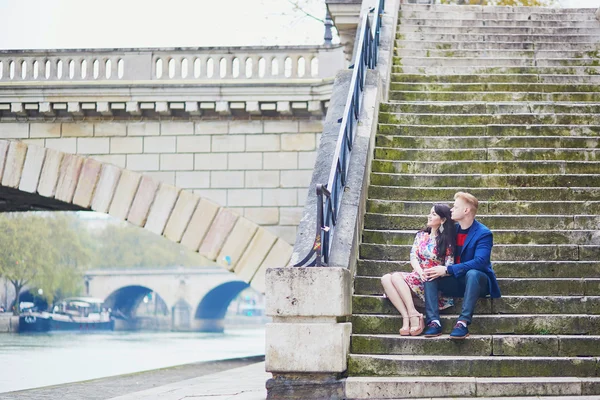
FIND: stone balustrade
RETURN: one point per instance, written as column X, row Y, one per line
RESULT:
column 190, row 64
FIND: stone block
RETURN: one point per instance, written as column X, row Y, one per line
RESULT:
column 217, row 234
column 279, row 256
column 142, row 201
column 227, row 179
column 244, row 197
column 314, row 126
column 164, row 177
column 290, row 215
column 109, row 177
column 281, row 126
column 262, row 215
column 228, row 144
column 93, row 146
column 255, row 254
column 70, row 168
column 387, row 387
column 161, row 208
column 124, row 194
column 283, row 160
column 32, row 169
column 49, row 176
column 176, row 128
column 192, row 179
column 263, row 143
column 219, row 196
column 307, row 347
column 300, row 179
column 77, row 129
column 245, row 161
column 280, row 197
column 181, row 215
column 88, row 177
column 302, row 196
column 160, row 144
column 14, row 130
column 245, row 127
column 176, row 162
column 236, row 243
column 308, row 292
column 126, row 145
column 62, row 144
column 143, row 129
column 110, row 129
column 42, row 130
column 298, row 142
column 199, row 224
column 194, row 144
column 13, row 166
column 517, row 345
column 307, row 159
column 4, row 145
column 209, row 161
column 119, row 160
column 262, row 179
column 515, row 387
column 143, row 162
column 287, row 232
column 211, row 127
column 34, row 142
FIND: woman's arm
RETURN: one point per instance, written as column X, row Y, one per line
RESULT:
column 414, row 260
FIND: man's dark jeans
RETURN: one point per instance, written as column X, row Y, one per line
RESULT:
column 471, row 286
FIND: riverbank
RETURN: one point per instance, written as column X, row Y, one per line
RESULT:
column 129, row 385
column 8, row 323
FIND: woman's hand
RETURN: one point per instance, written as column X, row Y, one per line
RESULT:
column 435, row 272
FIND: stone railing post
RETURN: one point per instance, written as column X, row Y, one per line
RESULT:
column 598, row 14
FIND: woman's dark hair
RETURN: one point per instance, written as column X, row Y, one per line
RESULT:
column 446, row 237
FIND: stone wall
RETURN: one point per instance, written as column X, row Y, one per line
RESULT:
column 261, row 168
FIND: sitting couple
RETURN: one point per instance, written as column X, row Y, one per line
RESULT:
column 448, row 259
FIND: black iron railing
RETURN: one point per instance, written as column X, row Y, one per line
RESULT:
column 329, row 195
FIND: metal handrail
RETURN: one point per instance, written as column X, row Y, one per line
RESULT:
column 329, row 195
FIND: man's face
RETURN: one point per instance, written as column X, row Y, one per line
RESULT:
column 460, row 209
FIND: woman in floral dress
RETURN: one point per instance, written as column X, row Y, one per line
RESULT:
column 438, row 237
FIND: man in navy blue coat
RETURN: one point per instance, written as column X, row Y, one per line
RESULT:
column 471, row 276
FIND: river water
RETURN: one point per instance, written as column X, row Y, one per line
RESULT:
column 36, row 360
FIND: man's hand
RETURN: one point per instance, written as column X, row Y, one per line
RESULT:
column 435, row 272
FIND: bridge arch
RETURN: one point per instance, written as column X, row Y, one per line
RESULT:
column 125, row 302
column 210, row 313
column 38, row 178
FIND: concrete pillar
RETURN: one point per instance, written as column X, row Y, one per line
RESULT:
column 307, row 343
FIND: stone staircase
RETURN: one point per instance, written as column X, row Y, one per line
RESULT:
column 504, row 103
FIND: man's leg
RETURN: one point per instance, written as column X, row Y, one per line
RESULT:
column 476, row 286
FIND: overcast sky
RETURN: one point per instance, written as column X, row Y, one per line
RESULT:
column 50, row 24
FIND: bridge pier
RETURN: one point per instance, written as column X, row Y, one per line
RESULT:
column 209, row 325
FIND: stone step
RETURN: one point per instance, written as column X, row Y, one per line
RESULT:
column 484, row 194
column 480, row 45
column 491, row 154
column 371, row 304
column 426, row 96
column 501, row 236
column 518, row 324
column 487, row 70
column 485, row 167
column 493, row 87
column 515, row 269
column 462, row 388
column 508, row 286
column 492, row 52
column 486, row 180
column 536, row 222
column 488, row 130
column 479, row 345
column 493, row 61
column 490, row 22
column 462, row 12
column 459, row 36
column 466, row 142
column 490, row 107
column 547, row 207
column 456, row 28
column 471, row 366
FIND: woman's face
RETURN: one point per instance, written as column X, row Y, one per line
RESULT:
column 433, row 220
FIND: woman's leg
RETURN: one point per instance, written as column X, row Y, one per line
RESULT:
column 416, row 324
column 392, row 294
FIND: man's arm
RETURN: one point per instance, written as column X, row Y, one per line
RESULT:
column 483, row 253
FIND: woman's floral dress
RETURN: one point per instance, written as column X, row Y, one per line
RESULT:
column 425, row 252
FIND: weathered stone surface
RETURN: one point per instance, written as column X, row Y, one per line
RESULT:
column 124, row 194
column 4, row 144
column 278, row 256
column 255, row 254
column 142, row 201
column 109, row 177
column 217, row 234
column 409, row 387
column 521, row 346
column 236, row 243
column 558, row 386
column 199, row 224
column 68, row 177
column 15, row 158
column 161, row 208
column 181, row 215
column 32, row 168
column 475, row 345
column 50, row 170
column 88, row 178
